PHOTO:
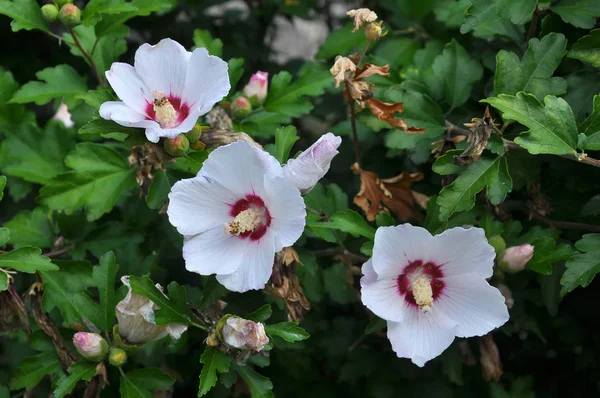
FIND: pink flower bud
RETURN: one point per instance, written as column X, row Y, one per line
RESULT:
column 241, row 107
column 244, row 334
column 311, row 165
column 256, row 89
column 516, row 257
column 91, row 346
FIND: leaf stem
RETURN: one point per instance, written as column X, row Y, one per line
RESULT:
column 567, row 224
column 88, row 57
column 353, row 124
column 205, row 328
column 56, row 253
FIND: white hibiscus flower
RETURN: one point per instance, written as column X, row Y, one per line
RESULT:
column 235, row 215
column 431, row 289
column 166, row 89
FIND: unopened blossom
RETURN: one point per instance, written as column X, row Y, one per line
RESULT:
column 361, row 17
column 431, row 289
column 256, row 89
column 340, row 67
column 515, row 258
column 235, row 215
column 166, row 89
column 135, row 316
column 244, row 334
column 62, row 114
column 311, row 165
column 91, row 346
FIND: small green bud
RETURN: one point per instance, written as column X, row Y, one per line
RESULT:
column 117, row 357
column 497, row 243
column 241, row 107
column 69, row 15
column 60, row 3
column 194, row 134
column 177, row 146
column 49, row 12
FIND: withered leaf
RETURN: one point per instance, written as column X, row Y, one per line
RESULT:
column 370, row 70
column 481, row 130
column 361, row 16
column 392, row 194
column 385, row 111
column 340, row 67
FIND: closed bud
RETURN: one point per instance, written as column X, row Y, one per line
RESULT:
column 49, row 12
column 515, row 258
column 497, row 243
column 373, row 31
column 243, row 334
column 241, row 107
column 117, row 357
column 177, row 146
column 69, row 15
column 194, row 134
column 256, row 89
column 91, row 346
column 311, row 165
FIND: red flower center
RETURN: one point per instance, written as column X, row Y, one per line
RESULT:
column 172, row 104
column 257, row 207
column 417, row 270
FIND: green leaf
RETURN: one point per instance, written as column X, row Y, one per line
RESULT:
column 139, row 383
column 105, row 275
column 458, row 73
column 533, row 73
column 2, row 185
column 260, row 386
column 26, row 259
column 552, row 127
column 383, row 219
column 203, row 38
column 285, row 138
column 289, row 99
column 95, row 98
column 582, row 267
column 580, row 13
column 591, row 127
column 486, row 19
column 3, row 281
column 353, row 223
column 375, row 324
column 587, row 49
column 109, row 16
column 4, row 236
column 31, row 229
column 35, row 156
column 214, row 361
column 105, row 50
column 582, row 87
column 173, row 309
column 460, row 195
column 452, row 13
column 289, row 331
column 100, row 176
column 159, row 190
column 192, row 162
column 342, row 41
column 397, row 52
column 260, row 315
column 62, row 81
column 25, row 14
column 235, row 70
column 546, row 254
column 82, row 370
column 95, row 10
column 32, row 370
column 519, row 11
column 335, row 281
column 105, row 127
column 212, row 290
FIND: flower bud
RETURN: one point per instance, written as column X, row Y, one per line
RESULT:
column 243, row 334
column 241, row 107
column 311, row 165
column 49, row 12
column 373, row 31
column 91, row 346
column 515, row 258
column 194, row 134
column 70, row 15
column 497, row 243
column 117, row 357
column 256, row 89
column 177, row 146
column 135, row 316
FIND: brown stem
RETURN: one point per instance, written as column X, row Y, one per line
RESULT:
column 354, row 133
column 335, row 251
column 88, row 57
column 533, row 25
column 567, row 224
column 56, row 253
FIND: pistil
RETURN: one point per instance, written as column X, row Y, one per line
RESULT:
column 246, row 221
column 421, row 288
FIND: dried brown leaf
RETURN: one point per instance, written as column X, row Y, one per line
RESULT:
column 491, row 367
column 340, row 67
column 361, row 17
column 370, row 70
column 385, row 111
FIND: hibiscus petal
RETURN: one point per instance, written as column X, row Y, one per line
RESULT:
column 163, row 67
column 421, row 336
column 473, row 304
column 129, row 87
column 199, row 204
column 256, row 266
column 213, row 252
column 120, row 113
column 207, row 81
column 247, row 176
column 395, row 247
column 287, row 210
column 382, row 296
column 463, row 250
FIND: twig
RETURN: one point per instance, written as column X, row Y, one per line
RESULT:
column 56, row 253
column 567, row 224
column 88, row 57
column 354, row 133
